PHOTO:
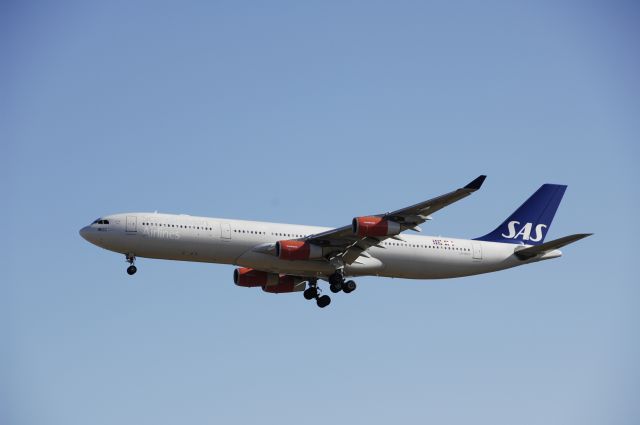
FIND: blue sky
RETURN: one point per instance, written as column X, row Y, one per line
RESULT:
column 312, row 113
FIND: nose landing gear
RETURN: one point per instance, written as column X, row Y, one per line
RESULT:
column 131, row 270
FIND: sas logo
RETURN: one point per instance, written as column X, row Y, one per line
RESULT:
column 525, row 231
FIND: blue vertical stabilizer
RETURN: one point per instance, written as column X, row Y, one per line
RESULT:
column 530, row 223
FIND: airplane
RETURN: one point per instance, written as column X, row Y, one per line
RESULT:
column 284, row 258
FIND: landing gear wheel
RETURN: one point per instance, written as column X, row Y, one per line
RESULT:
column 131, row 270
column 311, row 293
column 336, row 279
column 349, row 286
column 323, row 301
column 335, row 288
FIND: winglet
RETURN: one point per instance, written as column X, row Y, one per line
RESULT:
column 475, row 184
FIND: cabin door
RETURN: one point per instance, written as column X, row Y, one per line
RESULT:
column 477, row 250
column 225, row 230
column 132, row 224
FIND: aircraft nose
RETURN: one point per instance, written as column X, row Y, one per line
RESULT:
column 84, row 232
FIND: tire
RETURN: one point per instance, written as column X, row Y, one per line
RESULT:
column 335, row 279
column 310, row 293
column 349, row 286
column 131, row 270
column 324, row 301
column 335, row 288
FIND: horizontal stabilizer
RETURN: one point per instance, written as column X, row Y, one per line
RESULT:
column 532, row 251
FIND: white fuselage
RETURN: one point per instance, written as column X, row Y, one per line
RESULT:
column 237, row 242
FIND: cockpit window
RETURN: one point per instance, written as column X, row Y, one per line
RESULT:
column 100, row 221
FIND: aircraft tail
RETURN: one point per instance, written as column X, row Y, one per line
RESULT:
column 530, row 223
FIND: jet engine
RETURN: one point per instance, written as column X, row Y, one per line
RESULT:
column 374, row 226
column 297, row 250
column 250, row 278
column 286, row 284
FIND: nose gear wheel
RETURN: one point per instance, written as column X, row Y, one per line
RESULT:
column 131, row 270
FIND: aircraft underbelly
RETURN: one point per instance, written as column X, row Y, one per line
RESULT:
column 270, row 263
column 171, row 248
column 273, row 264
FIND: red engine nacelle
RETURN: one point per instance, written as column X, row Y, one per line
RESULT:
column 297, row 250
column 250, row 278
column 374, row 226
column 286, row 284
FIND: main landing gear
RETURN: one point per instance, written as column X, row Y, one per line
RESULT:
column 314, row 292
column 131, row 270
column 336, row 284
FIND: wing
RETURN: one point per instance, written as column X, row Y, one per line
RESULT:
column 345, row 244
